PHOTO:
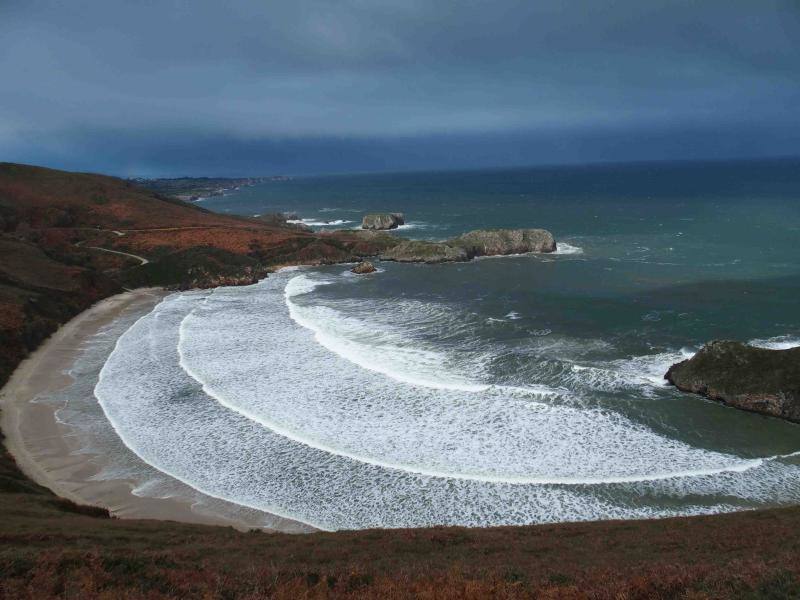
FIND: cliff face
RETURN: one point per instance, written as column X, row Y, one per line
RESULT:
column 745, row 377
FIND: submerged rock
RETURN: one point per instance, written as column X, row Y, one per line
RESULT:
column 383, row 221
column 427, row 252
column 755, row 379
column 498, row 242
column 363, row 268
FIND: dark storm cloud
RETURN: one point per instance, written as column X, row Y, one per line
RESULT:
column 303, row 86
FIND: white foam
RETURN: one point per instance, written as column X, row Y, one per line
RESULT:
column 640, row 372
column 266, row 416
column 781, row 342
column 565, row 248
column 318, row 223
column 413, row 225
column 297, row 286
column 429, row 395
column 382, row 351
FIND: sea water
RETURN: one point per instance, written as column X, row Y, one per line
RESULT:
column 513, row 390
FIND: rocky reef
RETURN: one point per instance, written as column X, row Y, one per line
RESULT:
column 500, row 242
column 745, row 377
column 425, row 252
column 382, row 221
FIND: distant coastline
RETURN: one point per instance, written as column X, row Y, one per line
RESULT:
column 197, row 189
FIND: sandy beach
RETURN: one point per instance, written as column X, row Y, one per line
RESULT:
column 54, row 454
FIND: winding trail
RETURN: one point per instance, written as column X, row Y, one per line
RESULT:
column 142, row 260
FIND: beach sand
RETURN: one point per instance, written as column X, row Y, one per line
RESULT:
column 53, row 454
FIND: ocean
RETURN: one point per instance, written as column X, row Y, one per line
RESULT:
column 503, row 391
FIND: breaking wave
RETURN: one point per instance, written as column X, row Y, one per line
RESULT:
column 318, row 223
column 781, row 342
column 565, row 248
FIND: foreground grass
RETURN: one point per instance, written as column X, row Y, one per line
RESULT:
column 50, row 549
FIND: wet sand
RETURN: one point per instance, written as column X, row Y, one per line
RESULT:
column 53, row 454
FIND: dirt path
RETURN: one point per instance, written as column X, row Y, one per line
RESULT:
column 142, row 260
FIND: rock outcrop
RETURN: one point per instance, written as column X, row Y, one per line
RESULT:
column 363, row 268
column 382, row 221
column 490, row 242
column 283, row 220
column 498, row 242
column 364, row 242
column 425, row 252
column 754, row 379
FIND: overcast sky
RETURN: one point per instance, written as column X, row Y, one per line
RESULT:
column 250, row 87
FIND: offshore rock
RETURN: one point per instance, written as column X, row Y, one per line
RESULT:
column 754, row 379
column 383, row 221
column 425, row 252
column 363, row 268
column 498, row 242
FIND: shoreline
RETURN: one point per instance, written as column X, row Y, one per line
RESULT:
column 53, row 454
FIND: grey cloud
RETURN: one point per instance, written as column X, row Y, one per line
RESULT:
column 280, row 74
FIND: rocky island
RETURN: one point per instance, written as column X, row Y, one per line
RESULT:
column 363, row 268
column 745, row 377
column 482, row 242
column 383, row 221
column 425, row 252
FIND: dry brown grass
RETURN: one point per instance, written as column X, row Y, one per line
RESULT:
column 49, row 552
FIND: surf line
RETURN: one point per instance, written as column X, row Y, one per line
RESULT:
column 283, row 431
column 306, row 285
column 276, row 511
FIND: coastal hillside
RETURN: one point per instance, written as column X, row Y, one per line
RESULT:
column 73, row 213
column 70, row 239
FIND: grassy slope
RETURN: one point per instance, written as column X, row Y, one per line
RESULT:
column 52, row 222
column 48, row 550
column 51, row 548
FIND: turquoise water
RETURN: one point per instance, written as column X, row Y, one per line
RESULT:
column 501, row 391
